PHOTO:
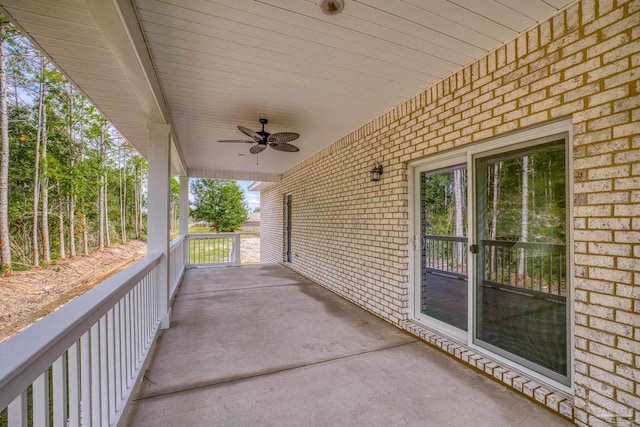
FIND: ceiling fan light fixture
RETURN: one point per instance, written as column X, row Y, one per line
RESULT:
column 331, row 7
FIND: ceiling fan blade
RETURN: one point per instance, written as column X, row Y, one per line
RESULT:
column 283, row 137
column 257, row 149
column 256, row 136
column 237, row 141
column 283, row 146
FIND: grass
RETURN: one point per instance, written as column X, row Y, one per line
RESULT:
column 201, row 253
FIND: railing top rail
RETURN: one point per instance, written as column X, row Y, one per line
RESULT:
column 212, row 235
column 24, row 357
column 175, row 242
column 524, row 245
column 447, row 238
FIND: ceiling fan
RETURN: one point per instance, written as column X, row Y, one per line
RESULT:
column 278, row 141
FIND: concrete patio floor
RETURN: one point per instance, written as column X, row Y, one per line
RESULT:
column 261, row 345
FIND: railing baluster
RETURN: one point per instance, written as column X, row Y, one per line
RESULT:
column 127, row 341
column 511, row 267
column 17, row 411
column 41, row 400
column 209, row 249
column 59, row 388
column 560, row 264
column 95, row 375
column 540, row 263
column 117, row 349
column 111, row 361
column 104, row 372
column 86, row 374
column 73, row 371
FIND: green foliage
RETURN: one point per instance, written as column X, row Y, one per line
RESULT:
column 219, row 202
column 438, row 202
column 82, row 147
column 546, row 207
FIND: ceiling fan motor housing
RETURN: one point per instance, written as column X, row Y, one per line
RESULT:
column 278, row 141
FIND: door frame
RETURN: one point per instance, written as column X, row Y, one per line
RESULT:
column 529, row 137
column 288, row 208
column 431, row 164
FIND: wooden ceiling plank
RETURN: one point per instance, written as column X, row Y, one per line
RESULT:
column 232, row 71
column 214, row 29
column 338, row 60
column 534, row 9
column 378, row 21
column 454, row 13
column 497, row 13
column 423, row 17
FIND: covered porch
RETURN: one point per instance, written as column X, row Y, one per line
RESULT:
column 375, row 93
column 263, row 345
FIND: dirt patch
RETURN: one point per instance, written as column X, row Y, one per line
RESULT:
column 27, row 296
column 249, row 249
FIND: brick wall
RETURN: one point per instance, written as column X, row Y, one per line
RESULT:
column 351, row 235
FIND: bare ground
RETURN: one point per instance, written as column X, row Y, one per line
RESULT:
column 27, row 296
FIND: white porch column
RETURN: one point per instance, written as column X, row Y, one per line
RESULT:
column 158, row 213
column 184, row 205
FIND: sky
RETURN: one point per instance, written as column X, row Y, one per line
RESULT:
column 252, row 197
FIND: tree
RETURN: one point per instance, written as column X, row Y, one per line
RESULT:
column 219, row 202
column 174, row 203
column 5, row 248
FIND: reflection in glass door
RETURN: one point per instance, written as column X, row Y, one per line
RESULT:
column 521, row 286
column 443, row 244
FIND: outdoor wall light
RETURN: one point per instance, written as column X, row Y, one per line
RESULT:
column 376, row 172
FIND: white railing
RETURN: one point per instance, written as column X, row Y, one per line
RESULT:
column 178, row 262
column 207, row 250
column 79, row 365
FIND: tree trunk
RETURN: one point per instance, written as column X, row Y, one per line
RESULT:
column 136, row 202
column 82, row 213
column 36, row 177
column 457, row 192
column 85, row 231
column 5, row 247
column 123, row 198
column 62, row 252
column 524, row 230
column 72, row 187
column 72, row 223
column 101, row 214
column 497, row 172
column 44, row 191
column 107, row 234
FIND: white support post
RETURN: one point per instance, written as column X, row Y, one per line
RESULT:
column 158, row 214
column 184, row 205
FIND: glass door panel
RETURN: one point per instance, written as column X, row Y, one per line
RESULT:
column 287, row 237
column 521, row 286
column 443, row 224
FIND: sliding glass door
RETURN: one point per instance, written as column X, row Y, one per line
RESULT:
column 443, row 244
column 521, row 284
column 490, row 251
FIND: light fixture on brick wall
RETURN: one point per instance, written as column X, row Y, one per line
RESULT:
column 376, row 172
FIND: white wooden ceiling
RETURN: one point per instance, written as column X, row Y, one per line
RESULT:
column 207, row 66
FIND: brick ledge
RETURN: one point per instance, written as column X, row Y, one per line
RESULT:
column 553, row 400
